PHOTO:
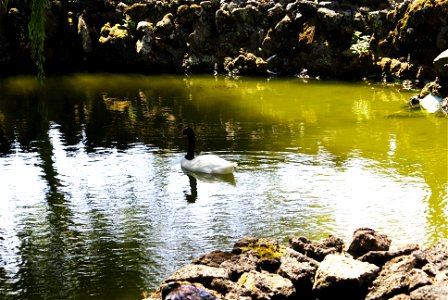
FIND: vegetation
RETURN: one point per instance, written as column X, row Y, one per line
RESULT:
column 361, row 44
column 36, row 31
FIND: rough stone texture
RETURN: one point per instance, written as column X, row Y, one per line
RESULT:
column 395, row 276
column 379, row 258
column 277, row 37
column 240, row 264
column 430, row 292
column 260, row 268
column 213, row 259
column 437, row 257
column 365, row 240
column 341, row 275
column 298, row 268
column 199, row 273
column 318, row 250
column 266, row 286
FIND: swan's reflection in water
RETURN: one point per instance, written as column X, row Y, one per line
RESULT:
column 192, row 196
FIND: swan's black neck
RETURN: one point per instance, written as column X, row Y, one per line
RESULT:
column 191, row 143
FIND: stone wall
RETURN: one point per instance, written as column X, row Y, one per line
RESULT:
column 341, row 39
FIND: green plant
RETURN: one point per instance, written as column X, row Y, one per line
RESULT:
column 360, row 43
column 36, row 31
column 5, row 3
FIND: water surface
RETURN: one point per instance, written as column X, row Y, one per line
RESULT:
column 94, row 205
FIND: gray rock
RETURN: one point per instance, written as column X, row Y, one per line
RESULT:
column 144, row 45
column 395, row 276
column 300, row 269
column 240, row 264
column 365, row 240
column 342, row 277
column 379, row 258
column 199, row 273
column 431, row 292
column 319, row 250
column 213, row 259
column 267, row 285
column 331, row 19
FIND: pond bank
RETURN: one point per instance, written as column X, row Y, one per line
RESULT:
column 341, row 39
column 259, row 268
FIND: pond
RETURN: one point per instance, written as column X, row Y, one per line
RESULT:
column 94, row 204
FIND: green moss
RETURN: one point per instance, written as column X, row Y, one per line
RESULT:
column 265, row 249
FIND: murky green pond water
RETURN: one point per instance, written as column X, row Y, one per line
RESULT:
column 94, row 205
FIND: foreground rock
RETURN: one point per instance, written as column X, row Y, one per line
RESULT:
column 259, row 268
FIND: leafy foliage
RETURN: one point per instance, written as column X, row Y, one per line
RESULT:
column 361, row 43
column 36, row 31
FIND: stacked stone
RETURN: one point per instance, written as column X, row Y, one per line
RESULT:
column 259, row 268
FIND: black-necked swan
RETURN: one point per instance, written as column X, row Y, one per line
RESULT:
column 208, row 163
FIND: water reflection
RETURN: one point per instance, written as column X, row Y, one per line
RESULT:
column 193, row 195
column 94, row 204
column 207, row 178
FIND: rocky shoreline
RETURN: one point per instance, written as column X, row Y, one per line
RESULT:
column 337, row 39
column 259, row 268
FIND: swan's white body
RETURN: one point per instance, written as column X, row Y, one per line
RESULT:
column 208, row 163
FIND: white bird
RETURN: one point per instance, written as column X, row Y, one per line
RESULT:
column 209, row 163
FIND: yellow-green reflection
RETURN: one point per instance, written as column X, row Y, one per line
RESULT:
column 92, row 191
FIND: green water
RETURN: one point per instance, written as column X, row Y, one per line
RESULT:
column 94, row 205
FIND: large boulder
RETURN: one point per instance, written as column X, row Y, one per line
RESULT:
column 340, row 277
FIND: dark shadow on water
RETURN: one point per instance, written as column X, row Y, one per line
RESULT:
column 193, row 195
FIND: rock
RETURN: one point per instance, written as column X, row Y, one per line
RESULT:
column 113, row 34
column 437, row 256
column 379, row 258
column 365, row 240
column 240, row 264
column 223, row 21
column 401, row 297
column 267, row 286
column 178, row 291
column 300, row 269
column 137, row 11
column 165, row 26
column 431, row 103
column 144, row 45
column 260, row 268
column 395, row 276
column 342, row 277
column 276, row 13
column 84, row 32
column 418, row 278
column 246, row 64
column 199, row 273
column 317, row 251
column 213, row 259
column 431, row 292
column 331, row 19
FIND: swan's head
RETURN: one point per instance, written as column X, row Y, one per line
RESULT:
column 188, row 131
